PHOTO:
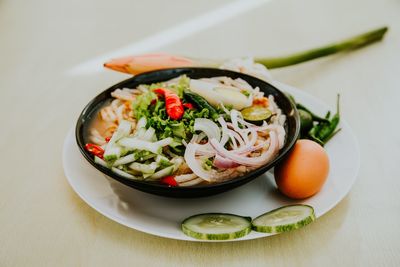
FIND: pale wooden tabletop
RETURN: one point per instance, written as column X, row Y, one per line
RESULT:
column 43, row 43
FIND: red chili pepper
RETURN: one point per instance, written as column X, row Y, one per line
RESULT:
column 95, row 150
column 169, row 180
column 108, row 138
column 173, row 103
column 188, row 105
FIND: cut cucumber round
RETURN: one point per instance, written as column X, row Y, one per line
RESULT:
column 216, row 226
column 284, row 219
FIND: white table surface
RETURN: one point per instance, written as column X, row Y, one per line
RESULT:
column 44, row 47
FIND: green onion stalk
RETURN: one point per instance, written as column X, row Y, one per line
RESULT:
column 342, row 46
column 142, row 63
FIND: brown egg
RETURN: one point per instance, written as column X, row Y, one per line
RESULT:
column 304, row 171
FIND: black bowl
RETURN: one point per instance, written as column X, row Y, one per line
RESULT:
column 292, row 128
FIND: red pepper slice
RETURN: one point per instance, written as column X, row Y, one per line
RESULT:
column 95, row 150
column 169, row 180
column 188, row 105
column 173, row 103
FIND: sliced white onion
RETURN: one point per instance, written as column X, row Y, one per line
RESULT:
column 209, row 127
column 234, row 144
column 274, row 127
column 196, row 181
column 254, row 148
column 243, row 122
column 249, row 161
column 185, row 177
column 184, row 142
column 224, row 127
column 247, row 147
column 194, row 139
column 225, row 109
column 194, row 164
column 224, row 163
column 200, row 137
column 205, row 150
column 234, row 120
column 235, row 136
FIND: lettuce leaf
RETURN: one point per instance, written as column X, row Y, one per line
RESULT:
column 141, row 104
column 182, row 85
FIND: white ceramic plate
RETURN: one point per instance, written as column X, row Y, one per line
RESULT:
column 162, row 216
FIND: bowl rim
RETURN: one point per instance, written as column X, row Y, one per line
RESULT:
column 88, row 109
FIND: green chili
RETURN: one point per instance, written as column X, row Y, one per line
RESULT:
column 314, row 116
column 332, row 135
column 328, row 128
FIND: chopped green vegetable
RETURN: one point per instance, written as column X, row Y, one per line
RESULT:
column 178, row 129
column 140, row 105
column 245, row 93
column 177, row 146
column 201, row 103
column 207, row 164
column 143, row 155
column 181, row 86
column 158, row 122
column 163, row 162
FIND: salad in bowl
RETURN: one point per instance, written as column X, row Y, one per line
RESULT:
column 194, row 130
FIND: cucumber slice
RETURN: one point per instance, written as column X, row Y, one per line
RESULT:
column 124, row 174
column 284, row 219
column 100, row 162
column 216, row 226
column 140, row 133
column 146, row 157
column 162, row 161
column 113, row 152
column 126, row 159
column 141, row 123
column 148, row 135
column 177, row 161
column 135, row 143
column 144, row 168
column 161, row 173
